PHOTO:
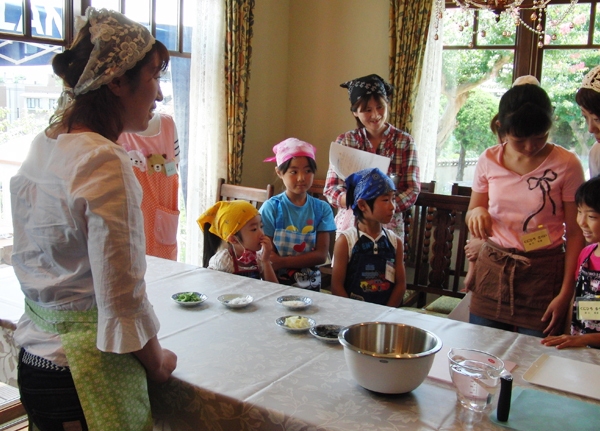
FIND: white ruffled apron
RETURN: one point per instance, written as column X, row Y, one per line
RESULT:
column 112, row 387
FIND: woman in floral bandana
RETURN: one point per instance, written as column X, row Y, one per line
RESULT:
column 369, row 98
column 89, row 334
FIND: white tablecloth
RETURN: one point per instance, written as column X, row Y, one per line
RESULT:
column 238, row 371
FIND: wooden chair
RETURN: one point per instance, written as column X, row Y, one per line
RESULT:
column 410, row 241
column 444, row 305
column 231, row 192
column 316, row 191
column 428, row 187
column 438, row 264
column 458, row 190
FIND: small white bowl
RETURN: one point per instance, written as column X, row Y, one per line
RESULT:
column 235, row 300
column 281, row 323
column 295, row 302
column 202, row 296
column 326, row 333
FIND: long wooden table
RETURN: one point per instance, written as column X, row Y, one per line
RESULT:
column 237, row 370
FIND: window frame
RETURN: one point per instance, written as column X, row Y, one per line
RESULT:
column 73, row 8
column 84, row 4
column 528, row 56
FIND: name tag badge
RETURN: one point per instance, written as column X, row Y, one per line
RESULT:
column 538, row 239
column 390, row 271
column 170, row 168
column 588, row 308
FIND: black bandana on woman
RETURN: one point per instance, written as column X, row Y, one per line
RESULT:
column 367, row 85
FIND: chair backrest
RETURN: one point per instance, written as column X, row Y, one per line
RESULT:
column 410, row 241
column 428, row 187
column 316, row 190
column 459, row 190
column 231, row 192
column 436, row 267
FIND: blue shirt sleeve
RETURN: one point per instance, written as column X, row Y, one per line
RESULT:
column 268, row 212
column 327, row 222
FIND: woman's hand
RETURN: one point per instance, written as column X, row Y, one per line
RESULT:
column 169, row 363
column 472, row 248
column 480, row 223
column 158, row 362
column 556, row 313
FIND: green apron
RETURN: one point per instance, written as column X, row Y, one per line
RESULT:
column 112, row 387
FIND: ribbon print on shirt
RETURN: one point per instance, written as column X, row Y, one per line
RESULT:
column 544, row 184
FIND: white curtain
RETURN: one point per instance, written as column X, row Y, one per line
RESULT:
column 207, row 155
column 425, row 125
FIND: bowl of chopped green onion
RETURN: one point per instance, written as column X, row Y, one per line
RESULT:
column 189, row 299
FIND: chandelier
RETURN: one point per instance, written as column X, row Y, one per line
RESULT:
column 510, row 8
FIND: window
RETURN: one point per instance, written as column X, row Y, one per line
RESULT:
column 480, row 60
column 170, row 21
column 33, row 103
column 33, row 31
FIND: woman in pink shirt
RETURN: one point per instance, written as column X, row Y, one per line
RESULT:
column 523, row 206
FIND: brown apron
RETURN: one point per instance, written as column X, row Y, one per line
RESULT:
column 516, row 287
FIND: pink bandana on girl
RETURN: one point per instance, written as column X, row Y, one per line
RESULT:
column 290, row 148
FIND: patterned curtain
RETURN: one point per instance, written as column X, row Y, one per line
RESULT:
column 239, row 19
column 409, row 27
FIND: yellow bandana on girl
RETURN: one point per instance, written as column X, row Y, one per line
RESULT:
column 227, row 217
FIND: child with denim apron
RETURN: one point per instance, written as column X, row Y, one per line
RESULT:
column 585, row 322
column 89, row 334
column 368, row 263
column 298, row 223
column 248, row 251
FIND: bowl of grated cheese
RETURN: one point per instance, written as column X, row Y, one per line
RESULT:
column 295, row 323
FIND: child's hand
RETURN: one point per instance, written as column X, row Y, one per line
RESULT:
column 266, row 247
column 563, row 341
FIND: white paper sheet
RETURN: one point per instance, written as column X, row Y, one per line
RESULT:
column 347, row 160
column 565, row 375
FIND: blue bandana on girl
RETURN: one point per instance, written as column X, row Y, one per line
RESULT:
column 367, row 184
